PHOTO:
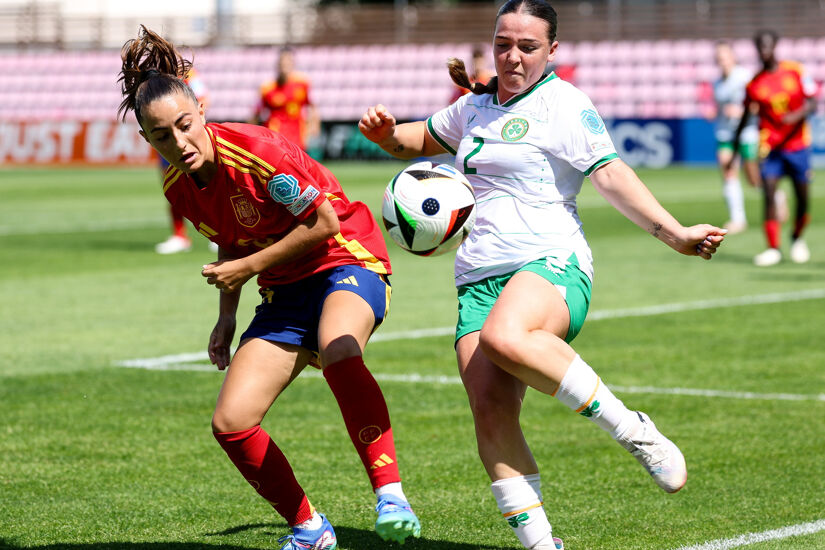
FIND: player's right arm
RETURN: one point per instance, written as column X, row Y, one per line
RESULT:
column 221, row 338
column 404, row 141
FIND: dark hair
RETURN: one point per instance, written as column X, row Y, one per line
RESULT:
column 762, row 33
column 152, row 68
column 537, row 8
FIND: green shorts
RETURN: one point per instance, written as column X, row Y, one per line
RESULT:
column 475, row 300
column 748, row 151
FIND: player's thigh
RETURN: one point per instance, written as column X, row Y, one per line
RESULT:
column 529, row 302
column 492, row 392
column 258, row 373
column 723, row 157
column 350, row 313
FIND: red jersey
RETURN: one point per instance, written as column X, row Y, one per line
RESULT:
column 265, row 186
column 285, row 104
column 777, row 93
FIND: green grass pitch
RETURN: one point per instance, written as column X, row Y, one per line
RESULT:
column 95, row 456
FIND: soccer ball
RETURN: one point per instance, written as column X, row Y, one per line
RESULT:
column 429, row 209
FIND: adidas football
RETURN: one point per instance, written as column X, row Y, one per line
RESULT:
column 428, row 208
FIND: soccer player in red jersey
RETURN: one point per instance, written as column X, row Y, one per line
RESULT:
column 782, row 95
column 322, row 269
column 285, row 105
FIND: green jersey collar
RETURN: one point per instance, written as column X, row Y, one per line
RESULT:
column 545, row 78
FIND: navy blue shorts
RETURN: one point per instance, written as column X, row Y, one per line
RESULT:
column 290, row 313
column 794, row 164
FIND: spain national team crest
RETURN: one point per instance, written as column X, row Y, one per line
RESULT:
column 592, row 121
column 514, row 129
column 247, row 215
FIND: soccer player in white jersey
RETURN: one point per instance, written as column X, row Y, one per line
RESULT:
column 729, row 96
column 526, row 141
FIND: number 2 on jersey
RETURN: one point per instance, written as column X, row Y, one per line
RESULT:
column 480, row 142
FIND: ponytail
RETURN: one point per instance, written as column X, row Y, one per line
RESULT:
column 152, row 68
column 458, row 73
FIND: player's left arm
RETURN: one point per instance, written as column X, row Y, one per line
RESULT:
column 621, row 187
column 798, row 115
column 319, row 226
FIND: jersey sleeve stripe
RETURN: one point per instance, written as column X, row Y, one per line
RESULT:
column 171, row 178
column 228, row 156
column 361, row 254
column 245, row 169
column 601, row 162
column 332, row 197
column 438, row 138
column 243, row 152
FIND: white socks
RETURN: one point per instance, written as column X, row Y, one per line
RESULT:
column 520, row 502
column 732, row 191
column 582, row 390
column 391, row 489
column 312, row 523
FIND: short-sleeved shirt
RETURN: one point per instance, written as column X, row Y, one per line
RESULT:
column 526, row 159
column 777, row 93
column 285, row 103
column 265, row 186
column 731, row 90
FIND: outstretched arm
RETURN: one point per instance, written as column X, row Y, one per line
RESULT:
column 622, row 188
column 404, row 141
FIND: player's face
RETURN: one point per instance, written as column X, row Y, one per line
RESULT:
column 522, row 51
column 766, row 45
column 724, row 57
column 175, row 126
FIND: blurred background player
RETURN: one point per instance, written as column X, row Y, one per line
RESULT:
column 285, row 106
column 479, row 71
column 179, row 241
column 728, row 96
column 782, row 95
column 322, row 267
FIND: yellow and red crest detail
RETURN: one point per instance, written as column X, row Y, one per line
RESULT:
column 247, row 215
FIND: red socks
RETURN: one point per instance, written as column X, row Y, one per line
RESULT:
column 266, row 468
column 178, row 225
column 366, row 417
column 772, row 233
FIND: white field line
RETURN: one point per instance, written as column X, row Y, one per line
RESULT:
column 82, row 227
column 113, row 225
column 196, row 361
column 753, row 538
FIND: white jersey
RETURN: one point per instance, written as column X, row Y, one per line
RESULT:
column 526, row 159
column 731, row 90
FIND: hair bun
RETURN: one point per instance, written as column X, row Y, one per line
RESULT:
column 149, row 73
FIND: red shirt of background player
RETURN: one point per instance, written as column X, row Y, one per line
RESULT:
column 777, row 93
column 264, row 186
column 285, row 104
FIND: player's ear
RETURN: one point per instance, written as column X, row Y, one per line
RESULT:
column 202, row 112
column 551, row 54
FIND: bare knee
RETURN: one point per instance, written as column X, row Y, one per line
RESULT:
column 500, row 344
column 224, row 420
column 495, row 411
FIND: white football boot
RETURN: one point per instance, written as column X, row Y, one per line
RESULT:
column 769, row 257
column 660, row 456
column 173, row 245
column 799, row 252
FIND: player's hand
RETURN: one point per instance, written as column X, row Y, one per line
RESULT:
column 228, row 275
column 377, row 124
column 220, row 340
column 701, row 240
